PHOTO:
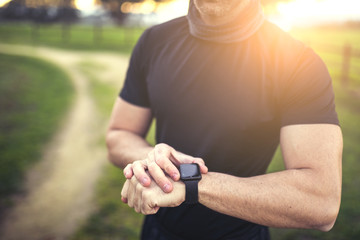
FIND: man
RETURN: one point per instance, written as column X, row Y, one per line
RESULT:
column 226, row 87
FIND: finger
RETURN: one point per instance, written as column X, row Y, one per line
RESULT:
column 148, row 206
column 139, row 170
column 128, row 171
column 164, row 158
column 147, row 210
column 203, row 168
column 156, row 172
column 137, row 197
column 159, row 177
column 164, row 161
column 155, row 210
column 124, row 192
column 150, row 211
column 131, row 193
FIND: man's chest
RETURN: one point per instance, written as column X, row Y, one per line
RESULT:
column 219, row 85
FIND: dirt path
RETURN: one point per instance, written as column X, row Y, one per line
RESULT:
column 60, row 188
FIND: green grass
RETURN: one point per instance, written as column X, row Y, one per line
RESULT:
column 75, row 37
column 34, row 95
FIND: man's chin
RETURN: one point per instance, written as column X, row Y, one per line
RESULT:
column 212, row 8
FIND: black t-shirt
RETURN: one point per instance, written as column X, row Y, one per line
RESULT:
column 225, row 103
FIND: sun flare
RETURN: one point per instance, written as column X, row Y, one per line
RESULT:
column 84, row 4
column 3, row 2
column 309, row 12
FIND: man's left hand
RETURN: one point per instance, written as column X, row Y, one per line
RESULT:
column 148, row 200
column 161, row 162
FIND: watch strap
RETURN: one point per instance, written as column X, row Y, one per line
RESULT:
column 191, row 195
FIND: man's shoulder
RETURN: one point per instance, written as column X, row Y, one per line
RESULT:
column 279, row 39
column 279, row 46
column 286, row 55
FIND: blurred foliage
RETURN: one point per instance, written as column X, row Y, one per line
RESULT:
column 74, row 37
column 45, row 11
column 33, row 98
column 114, row 7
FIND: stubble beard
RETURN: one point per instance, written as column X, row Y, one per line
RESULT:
column 216, row 8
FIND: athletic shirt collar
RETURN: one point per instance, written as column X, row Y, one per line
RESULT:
column 239, row 30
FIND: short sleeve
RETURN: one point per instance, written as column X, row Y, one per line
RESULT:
column 135, row 89
column 308, row 97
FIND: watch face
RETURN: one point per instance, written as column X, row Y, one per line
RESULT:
column 190, row 171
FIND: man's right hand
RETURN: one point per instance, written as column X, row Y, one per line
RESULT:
column 162, row 160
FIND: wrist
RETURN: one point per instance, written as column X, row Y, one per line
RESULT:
column 205, row 187
column 180, row 188
column 190, row 175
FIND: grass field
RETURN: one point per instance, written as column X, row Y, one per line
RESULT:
column 33, row 98
column 114, row 220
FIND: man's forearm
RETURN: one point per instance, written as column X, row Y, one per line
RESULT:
column 125, row 147
column 287, row 199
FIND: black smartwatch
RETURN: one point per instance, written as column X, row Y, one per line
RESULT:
column 190, row 174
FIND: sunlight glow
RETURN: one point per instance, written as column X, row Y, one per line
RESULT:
column 85, row 4
column 145, row 7
column 165, row 10
column 310, row 12
column 173, row 8
column 3, row 2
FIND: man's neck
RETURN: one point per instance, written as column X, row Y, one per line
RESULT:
column 231, row 16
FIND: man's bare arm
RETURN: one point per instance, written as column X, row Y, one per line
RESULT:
column 305, row 195
column 127, row 129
